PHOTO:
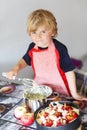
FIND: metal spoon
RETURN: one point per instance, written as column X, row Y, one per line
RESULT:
column 25, row 81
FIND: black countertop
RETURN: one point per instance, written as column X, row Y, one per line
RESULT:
column 11, row 100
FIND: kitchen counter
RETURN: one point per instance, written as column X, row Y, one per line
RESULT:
column 11, row 100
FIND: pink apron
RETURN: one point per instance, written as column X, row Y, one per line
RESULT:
column 46, row 65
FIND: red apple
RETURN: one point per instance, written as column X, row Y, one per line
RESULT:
column 20, row 111
column 27, row 119
column 48, row 123
column 61, row 122
column 66, row 107
column 71, row 116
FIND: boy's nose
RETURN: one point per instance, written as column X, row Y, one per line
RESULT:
column 38, row 35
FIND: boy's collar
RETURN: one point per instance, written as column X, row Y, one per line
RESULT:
column 41, row 48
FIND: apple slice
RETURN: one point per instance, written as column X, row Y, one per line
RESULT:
column 20, row 111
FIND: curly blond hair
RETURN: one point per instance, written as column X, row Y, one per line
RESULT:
column 39, row 18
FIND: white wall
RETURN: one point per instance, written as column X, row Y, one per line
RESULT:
column 71, row 16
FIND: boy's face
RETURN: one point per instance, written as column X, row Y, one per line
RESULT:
column 41, row 37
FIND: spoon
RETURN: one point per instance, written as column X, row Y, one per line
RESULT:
column 25, row 81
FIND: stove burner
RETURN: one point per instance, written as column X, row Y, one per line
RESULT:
column 2, row 108
column 7, row 89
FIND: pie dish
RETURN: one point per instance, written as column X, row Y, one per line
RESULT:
column 60, row 115
column 57, row 114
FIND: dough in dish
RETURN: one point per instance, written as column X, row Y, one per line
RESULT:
column 6, row 89
column 57, row 114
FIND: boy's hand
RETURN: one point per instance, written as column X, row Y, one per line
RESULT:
column 10, row 75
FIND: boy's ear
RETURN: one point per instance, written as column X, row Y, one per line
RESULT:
column 52, row 34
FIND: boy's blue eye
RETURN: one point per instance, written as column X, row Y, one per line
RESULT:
column 33, row 32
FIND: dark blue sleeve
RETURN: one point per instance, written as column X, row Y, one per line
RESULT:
column 26, row 56
column 66, row 63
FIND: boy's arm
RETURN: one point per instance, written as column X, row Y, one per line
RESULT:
column 72, row 85
column 14, row 71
